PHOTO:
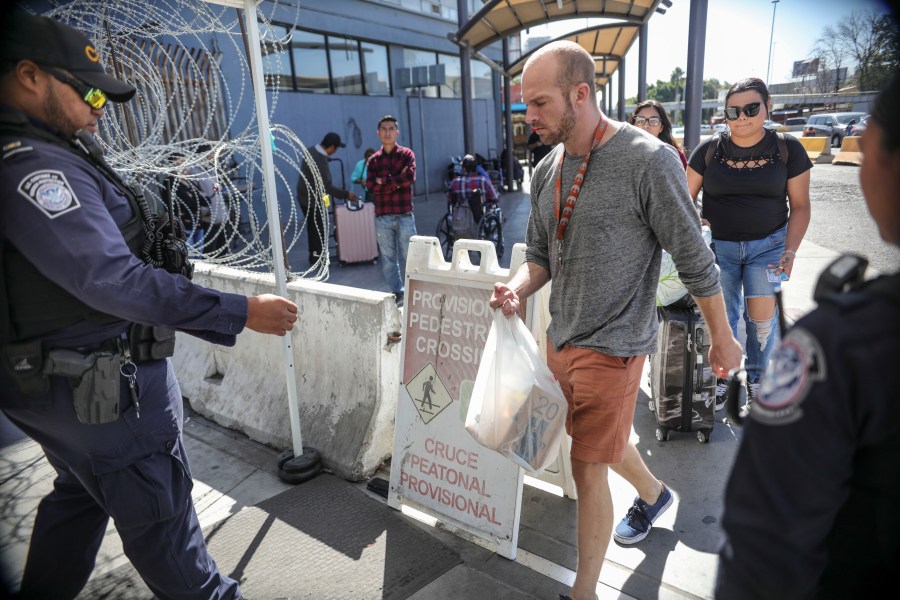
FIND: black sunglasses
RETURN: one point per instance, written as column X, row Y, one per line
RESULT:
column 733, row 113
column 94, row 97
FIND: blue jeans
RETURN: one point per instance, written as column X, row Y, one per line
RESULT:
column 393, row 233
column 743, row 275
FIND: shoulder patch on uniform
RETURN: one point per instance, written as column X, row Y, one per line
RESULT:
column 794, row 366
column 49, row 191
column 13, row 148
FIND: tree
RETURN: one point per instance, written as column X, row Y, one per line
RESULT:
column 677, row 81
column 867, row 40
column 833, row 54
column 667, row 91
column 886, row 53
column 857, row 32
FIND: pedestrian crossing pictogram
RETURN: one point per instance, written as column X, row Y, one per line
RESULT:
column 428, row 393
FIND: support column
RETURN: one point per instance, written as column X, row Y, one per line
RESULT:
column 507, row 119
column 465, row 75
column 621, row 72
column 642, row 63
column 693, row 93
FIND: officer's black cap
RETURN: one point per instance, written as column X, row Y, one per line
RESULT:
column 53, row 44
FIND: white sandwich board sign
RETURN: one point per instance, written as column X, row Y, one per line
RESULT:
column 437, row 467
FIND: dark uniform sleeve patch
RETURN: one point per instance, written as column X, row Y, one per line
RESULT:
column 49, row 191
column 795, row 365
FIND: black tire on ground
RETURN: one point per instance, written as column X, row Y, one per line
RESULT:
column 297, row 464
column 284, row 457
column 492, row 230
column 445, row 235
column 301, row 476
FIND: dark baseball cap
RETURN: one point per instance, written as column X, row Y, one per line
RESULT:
column 54, row 44
column 332, row 139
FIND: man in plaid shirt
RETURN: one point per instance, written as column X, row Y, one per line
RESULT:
column 464, row 188
column 391, row 173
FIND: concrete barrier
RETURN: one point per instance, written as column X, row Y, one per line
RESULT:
column 818, row 149
column 346, row 368
column 850, row 153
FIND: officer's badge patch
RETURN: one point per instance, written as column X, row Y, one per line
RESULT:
column 50, row 191
column 795, row 365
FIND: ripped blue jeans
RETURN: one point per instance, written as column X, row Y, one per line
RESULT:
column 743, row 275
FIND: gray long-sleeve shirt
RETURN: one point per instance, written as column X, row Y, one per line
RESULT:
column 634, row 201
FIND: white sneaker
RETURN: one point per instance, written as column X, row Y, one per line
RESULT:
column 721, row 393
column 752, row 393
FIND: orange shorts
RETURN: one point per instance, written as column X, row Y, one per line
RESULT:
column 601, row 391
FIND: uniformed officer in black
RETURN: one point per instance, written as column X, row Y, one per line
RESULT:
column 76, row 275
column 812, row 507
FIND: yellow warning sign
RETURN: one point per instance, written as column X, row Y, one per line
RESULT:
column 428, row 393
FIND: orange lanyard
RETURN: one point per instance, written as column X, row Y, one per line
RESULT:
column 569, row 209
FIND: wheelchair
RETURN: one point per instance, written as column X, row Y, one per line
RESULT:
column 489, row 228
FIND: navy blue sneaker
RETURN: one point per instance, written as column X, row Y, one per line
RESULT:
column 640, row 518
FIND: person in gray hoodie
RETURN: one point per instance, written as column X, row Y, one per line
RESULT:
column 603, row 204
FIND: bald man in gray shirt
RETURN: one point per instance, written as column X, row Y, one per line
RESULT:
column 603, row 204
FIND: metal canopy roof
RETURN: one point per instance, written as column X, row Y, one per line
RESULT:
column 607, row 44
column 498, row 19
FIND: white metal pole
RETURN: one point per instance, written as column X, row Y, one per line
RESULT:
column 268, row 170
column 771, row 39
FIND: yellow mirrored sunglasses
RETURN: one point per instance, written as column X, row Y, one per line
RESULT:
column 94, row 97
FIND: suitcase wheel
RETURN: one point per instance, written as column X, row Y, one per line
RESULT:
column 703, row 436
column 662, row 434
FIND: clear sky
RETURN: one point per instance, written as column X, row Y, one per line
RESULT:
column 737, row 37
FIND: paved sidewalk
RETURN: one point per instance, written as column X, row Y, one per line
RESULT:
column 239, row 498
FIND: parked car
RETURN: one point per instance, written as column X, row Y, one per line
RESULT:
column 858, row 128
column 830, row 125
column 678, row 132
column 768, row 124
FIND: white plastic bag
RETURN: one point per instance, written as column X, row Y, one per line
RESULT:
column 517, row 407
column 670, row 288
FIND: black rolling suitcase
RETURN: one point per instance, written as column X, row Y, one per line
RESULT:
column 681, row 379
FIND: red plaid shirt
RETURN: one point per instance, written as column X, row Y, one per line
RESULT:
column 463, row 185
column 397, row 171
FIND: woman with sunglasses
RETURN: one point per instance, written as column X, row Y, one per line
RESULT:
column 756, row 202
column 650, row 116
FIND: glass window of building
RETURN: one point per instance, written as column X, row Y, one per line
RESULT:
column 376, row 68
column 452, row 88
column 421, row 58
column 276, row 62
column 437, row 8
column 482, row 82
column 310, row 62
column 346, row 72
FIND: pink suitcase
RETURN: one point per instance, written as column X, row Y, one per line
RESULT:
column 355, row 233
